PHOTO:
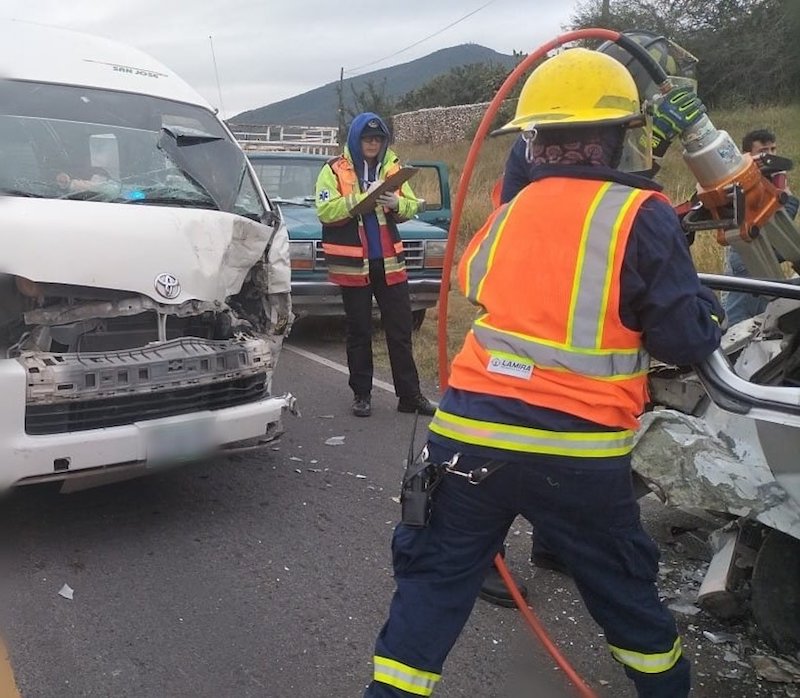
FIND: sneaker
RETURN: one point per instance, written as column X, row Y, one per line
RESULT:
column 418, row 403
column 494, row 589
column 362, row 406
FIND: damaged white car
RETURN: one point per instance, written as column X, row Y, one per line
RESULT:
column 144, row 278
column 724, row 437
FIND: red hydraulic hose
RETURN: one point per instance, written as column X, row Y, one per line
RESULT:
column 538, row 629
column 444, row 360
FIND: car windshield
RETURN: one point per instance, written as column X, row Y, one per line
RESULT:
column 287, row 180
column 67, row 142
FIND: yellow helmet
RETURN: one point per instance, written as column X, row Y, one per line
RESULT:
column 577, row 87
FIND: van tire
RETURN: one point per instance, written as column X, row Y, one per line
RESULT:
column 417, row 318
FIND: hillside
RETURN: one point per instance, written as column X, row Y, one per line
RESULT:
column 318, row 107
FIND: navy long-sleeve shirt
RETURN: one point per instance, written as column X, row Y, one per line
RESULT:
column 660, row 296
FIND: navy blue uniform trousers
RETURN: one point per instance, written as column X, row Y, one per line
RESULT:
column 395, row 306
column 585, row 510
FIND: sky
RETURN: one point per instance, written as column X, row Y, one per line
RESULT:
column 268, row 50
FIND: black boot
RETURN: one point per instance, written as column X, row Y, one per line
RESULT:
column 494, row 589
column 362, row 406
column 418, row 403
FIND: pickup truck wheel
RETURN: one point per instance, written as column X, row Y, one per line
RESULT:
column 417, row 318
column 776, row 591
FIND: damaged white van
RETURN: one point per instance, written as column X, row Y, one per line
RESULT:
column 144, row 278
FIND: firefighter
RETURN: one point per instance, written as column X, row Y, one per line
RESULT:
column 579, row 279
column 364, row 254
column 674, row 114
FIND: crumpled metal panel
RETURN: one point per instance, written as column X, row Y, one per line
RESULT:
column 126, row 247
column 714, row 463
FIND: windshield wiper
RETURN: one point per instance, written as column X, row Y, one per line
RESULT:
column 22, row 192
column 182, row 202
column 306, row 201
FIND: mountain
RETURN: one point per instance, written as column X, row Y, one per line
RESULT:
column 319, row 107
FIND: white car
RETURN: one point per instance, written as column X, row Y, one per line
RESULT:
column 144, row 278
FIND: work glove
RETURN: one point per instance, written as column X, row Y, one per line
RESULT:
column 389, row 199
column 678, row 110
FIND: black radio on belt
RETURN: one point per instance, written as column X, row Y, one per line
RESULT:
column 419, row 481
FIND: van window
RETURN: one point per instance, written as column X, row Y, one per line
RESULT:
column 67, row 142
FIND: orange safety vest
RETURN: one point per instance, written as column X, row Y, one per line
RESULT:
column 546, row 270
column 345, row 244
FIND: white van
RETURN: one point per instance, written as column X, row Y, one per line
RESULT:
column 144, row 278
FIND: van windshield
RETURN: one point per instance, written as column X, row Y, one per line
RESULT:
column 67, row 142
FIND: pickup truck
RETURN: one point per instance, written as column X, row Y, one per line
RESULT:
column 289, row 179
column 144, row 275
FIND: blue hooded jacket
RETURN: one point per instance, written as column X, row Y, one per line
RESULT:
column 367, row 174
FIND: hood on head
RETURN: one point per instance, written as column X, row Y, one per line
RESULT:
column 360, row 122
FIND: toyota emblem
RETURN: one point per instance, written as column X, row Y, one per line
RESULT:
column 168, row 286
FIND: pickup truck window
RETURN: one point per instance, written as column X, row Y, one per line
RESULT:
column 288, row 181
column 67, row 142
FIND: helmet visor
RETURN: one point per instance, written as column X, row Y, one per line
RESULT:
column 637, row 149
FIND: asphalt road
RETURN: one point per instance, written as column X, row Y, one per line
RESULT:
column 268, row 575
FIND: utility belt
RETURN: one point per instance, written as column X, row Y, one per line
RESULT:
column 421, row 479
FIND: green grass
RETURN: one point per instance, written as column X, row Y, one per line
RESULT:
column 675, row 177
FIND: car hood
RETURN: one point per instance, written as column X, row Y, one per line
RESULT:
column 303, row 224
column 126, row 247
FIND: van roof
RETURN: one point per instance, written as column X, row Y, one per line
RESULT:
column 39, row 53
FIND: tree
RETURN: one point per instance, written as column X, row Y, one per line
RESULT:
column 746, row 48
column 464, row 84
column 372, row 97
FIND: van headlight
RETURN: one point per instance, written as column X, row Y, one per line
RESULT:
column 434, row 254
column 301, row 255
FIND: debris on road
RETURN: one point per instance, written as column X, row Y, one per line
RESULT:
column 66, row 591
column 687, row 609
column 719, row 638
column 335, row 441
column 776, row 669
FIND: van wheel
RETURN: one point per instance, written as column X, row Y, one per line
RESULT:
column 417, row 318
column 776, row 591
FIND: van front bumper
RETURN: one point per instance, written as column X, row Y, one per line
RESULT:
column 138, row 447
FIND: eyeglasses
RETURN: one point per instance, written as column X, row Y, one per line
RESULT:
column 372, row 139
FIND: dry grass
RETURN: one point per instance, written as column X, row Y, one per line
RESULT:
column 675, row 177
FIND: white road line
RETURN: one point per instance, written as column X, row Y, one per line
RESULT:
column 388, row 387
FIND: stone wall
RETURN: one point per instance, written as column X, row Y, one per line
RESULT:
column 438, row 124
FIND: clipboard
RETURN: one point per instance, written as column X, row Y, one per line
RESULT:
column 391, row 183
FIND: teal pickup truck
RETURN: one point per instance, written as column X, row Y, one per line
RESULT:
column 289, row 178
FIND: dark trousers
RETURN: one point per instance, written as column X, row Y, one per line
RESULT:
column 395, row 306
column 588, row 514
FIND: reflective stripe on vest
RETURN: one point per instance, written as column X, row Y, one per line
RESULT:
column 648, row 663
column 342, row 257
column 404, row 677
column 577, row 444
column 581, row 352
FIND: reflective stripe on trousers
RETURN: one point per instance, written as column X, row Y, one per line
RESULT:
column 655, row 663
column 404, row 677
